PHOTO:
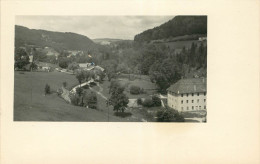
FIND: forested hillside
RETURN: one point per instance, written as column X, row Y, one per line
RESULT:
column 178, row 26
column 57, row 40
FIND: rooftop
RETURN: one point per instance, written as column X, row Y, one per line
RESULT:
column 191, row 85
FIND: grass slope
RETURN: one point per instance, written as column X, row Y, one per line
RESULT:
column 37, row 107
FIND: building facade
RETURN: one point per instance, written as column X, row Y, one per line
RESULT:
column 188, row 95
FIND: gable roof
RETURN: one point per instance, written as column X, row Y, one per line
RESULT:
column 84, row 65
column 191, row 85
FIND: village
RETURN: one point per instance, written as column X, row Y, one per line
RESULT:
column 144, row 102
column 161, row 80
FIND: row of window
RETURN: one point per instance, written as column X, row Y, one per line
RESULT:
column 193, row 107
column 187, row 94
column 192, row 101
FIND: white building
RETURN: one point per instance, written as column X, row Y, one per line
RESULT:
column 188, row 94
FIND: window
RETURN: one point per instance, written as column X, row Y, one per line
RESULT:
column 181, row 108
column 187, row 101
column 192, row 94
column 204, row 93
column 182, row 101
column 198, row 100
column 181, row 95
column 192, row 107
column 205, row 107
column 187, row 94
column 198, row 94
column 204, row 100
column 192, row 101
column 187, row 108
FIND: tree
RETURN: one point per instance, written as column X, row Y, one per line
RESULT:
column 118, row 99
column 135, row 90
column 79, row 91
column 169, row 115
column 63, row 62
column 90, row 100
column 80, row 77
column 47, row 89
column 21, row 58
column 64, row 84
column 139, row 101
column 73, row 66
column 156, row 101
column 86, row 75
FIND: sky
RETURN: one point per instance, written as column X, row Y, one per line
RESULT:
column 117, row 27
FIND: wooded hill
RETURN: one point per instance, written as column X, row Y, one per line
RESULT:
column 57, row 40
column 178, row 26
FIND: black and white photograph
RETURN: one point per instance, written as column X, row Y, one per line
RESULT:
column 110, row 68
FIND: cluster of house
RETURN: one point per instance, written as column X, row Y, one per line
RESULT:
column 188, row 94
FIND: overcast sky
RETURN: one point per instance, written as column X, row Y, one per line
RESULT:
column 118, row 27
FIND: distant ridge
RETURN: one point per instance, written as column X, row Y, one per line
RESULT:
column 57, row 40
column 178, row 26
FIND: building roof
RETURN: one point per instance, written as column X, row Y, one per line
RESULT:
column 191, row 85
column 84, row 65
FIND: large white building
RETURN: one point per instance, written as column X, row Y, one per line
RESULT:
column 188, row 94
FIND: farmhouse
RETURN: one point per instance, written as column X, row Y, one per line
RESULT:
column 86, row 66
column 188, row 94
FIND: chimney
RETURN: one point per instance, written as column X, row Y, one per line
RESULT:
column 195, row 88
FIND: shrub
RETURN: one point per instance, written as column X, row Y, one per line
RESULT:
column 86, row 87
column 79, row 91
column 59, row 91
column 135, row 90
column 169, row 115
column 139, row 101
column 64, row 84
column 90, row 100
column 47, row 89
column 156, row 101
column 75, row 100
column 148, row 103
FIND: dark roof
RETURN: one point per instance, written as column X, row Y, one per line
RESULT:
column 192, row 85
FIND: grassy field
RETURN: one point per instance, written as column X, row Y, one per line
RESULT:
column 149, row 87
column 34, row 106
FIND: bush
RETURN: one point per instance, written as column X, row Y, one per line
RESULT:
column 75, row 100
column 156, row 101
column 79, row 91
column 90, row 100
column 169, row 115
column 139, row 101
column 64, row 84
column 135, row 90
column 59, row 91
column 47, row 89
column 148, row 103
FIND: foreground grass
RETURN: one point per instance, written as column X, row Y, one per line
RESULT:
column 30, row 103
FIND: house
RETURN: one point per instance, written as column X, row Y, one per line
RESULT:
column 188, row 94
column 202, row 39
column 86, row 66
column 44, row 67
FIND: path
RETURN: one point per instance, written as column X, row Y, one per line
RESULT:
column 99, row 92
column 73, row 90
